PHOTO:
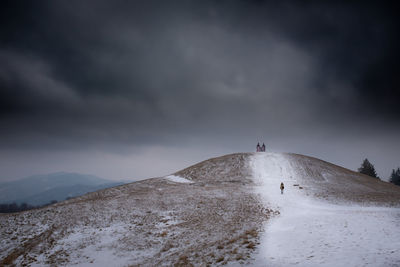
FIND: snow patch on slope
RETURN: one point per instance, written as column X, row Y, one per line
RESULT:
column 310, row 232
column 178, row 179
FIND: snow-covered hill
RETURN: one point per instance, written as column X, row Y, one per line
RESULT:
column 226, row 210
column 349, row 230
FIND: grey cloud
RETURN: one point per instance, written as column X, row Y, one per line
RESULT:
column 109, row 76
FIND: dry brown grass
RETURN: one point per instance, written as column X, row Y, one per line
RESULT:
column 252, row 232
column 220, row 259
column 183, row 262
column 164, row 234
column 28, row 245
column 337, row 184
column 251, row 245
column 205, row 221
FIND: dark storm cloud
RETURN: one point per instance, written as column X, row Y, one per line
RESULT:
column 111, row 74
column 357, row 44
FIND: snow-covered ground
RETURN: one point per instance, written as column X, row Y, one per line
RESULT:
column 178, row 179
column 313, row 232
column 210, row 215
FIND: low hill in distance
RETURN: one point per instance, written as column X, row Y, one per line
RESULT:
column 41, row 189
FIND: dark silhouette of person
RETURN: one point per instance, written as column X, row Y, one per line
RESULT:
column 282, row 187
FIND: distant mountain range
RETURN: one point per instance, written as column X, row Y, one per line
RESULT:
column 41, row 189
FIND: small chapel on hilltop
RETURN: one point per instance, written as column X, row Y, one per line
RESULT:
column 260, row 148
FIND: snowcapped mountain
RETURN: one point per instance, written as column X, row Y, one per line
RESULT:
column 225, row 210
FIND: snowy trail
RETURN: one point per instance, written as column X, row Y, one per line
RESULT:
column 309, row 232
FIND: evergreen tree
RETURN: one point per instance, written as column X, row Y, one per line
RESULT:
column 368, row 169
column 395, row 177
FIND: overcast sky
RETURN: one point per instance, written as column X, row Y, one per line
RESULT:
column 137, row 89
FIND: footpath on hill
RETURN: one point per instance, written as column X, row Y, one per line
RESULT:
column 311, row 232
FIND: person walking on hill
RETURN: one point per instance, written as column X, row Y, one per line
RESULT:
column 282, row 187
